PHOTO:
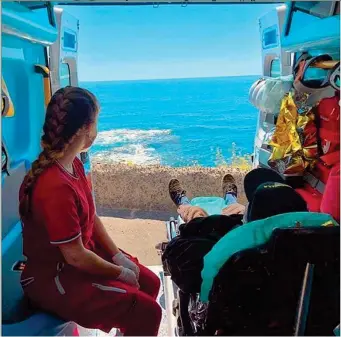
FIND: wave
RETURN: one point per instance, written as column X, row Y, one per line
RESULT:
column 130, row 135
column 131, row 154
column 136, row 146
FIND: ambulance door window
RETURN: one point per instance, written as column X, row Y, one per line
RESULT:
column 275, row 68
column 65, row 79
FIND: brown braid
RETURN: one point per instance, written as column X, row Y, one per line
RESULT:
column 69, row 110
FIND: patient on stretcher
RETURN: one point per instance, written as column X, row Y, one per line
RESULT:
column 265, row 190
column 204, row 226
column 197, row 257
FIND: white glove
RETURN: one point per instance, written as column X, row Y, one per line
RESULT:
column 121, row 260
column 129, row 277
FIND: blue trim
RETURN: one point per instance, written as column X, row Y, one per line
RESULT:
column 10, row 238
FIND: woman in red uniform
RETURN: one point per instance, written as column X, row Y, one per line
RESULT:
column 74, row 269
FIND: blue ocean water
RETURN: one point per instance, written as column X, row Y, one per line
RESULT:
column 178, row 122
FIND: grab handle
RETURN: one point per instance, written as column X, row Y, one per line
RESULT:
column 45, row 71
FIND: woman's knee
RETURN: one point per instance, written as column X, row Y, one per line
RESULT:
column 155, row 311
column 155, row 283
column 146, row 317
column 149, row 282
column 148, row 307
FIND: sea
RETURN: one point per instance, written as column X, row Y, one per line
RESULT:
column 176, row 122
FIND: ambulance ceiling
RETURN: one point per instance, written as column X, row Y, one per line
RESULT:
column 35, row 4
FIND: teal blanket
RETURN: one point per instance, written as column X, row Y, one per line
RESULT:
column 252, row 235
column 212, row 205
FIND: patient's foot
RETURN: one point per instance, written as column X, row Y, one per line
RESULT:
column 229, row 186
column 177, row 193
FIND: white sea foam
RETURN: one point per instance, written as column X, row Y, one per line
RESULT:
column 130, row 146
column 135, row 154
column 130, row 136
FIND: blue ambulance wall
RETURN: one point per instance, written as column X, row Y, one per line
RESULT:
column 20, row 133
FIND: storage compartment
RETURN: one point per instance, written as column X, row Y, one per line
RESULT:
column 311, row 25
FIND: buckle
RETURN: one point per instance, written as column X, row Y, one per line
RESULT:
column 314, row 182
column 161, row 247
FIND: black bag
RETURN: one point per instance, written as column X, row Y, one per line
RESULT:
column 257, row 291
column 183, row 256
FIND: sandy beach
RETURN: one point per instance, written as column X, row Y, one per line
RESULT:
column 134, row 204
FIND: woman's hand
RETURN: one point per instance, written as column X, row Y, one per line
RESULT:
column 233, row 209
column 128, row 276
column 76, row 255
column 188, row 212
column 122, row 260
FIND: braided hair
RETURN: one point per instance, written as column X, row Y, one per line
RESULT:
column 69, row 110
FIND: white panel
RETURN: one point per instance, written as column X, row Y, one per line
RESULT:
column 64, row 51
column 274, row 22
column 271, row 26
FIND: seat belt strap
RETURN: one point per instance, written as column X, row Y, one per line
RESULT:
column 314, row 182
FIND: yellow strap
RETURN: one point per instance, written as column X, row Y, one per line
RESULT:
column 46, row 81
column 7, row 108
column 325, row 64
column 328, row 224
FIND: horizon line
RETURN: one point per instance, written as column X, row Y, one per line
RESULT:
column 162, row 79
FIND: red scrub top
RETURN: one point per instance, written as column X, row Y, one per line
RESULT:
column 63, row 210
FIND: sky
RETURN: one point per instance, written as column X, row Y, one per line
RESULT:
column 170, row 41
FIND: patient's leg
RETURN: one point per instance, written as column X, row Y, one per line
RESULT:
column 230, row 194
column 229, row 189
column 188, row 212
column 177, row 193
column 234, row 208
